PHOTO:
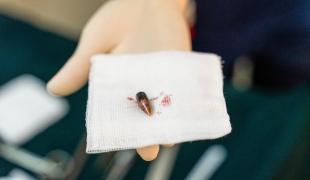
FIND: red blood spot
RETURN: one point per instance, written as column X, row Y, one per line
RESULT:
column 166, row 101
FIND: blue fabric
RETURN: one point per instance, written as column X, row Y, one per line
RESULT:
column 277, row 30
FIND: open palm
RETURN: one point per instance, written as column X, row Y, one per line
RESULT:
column 131, row 26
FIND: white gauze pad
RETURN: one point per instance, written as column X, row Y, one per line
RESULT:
column 185, row 90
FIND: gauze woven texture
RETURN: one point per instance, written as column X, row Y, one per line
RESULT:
column 185, row 90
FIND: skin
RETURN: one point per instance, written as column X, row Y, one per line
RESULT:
column 130, row 26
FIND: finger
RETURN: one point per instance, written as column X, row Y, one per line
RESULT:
column 70, row 78
column 97, row 37
column 74, row 74
column 168, row 145
column 148, row 153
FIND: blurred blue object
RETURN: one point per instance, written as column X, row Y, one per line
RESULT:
column 275, row 33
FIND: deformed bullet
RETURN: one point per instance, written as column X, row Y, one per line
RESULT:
column 144, row 103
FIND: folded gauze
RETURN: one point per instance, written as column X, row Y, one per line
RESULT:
column 185, row 90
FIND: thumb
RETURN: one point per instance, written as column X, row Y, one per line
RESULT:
column 71, row 77
column 95, row 38
column 74, row 74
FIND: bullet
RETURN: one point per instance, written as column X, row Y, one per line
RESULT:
column 144, row 103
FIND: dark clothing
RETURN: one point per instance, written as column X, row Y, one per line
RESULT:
column 274, row 33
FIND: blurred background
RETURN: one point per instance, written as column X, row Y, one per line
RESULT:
column 266, row 50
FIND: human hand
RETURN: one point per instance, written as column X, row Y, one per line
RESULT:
column 130, row 26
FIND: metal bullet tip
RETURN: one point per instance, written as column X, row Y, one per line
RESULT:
column 144, row 103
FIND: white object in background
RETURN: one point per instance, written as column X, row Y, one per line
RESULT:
column 17, row 174
column 209, row 162
column 187, row 93
column 26, row 109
